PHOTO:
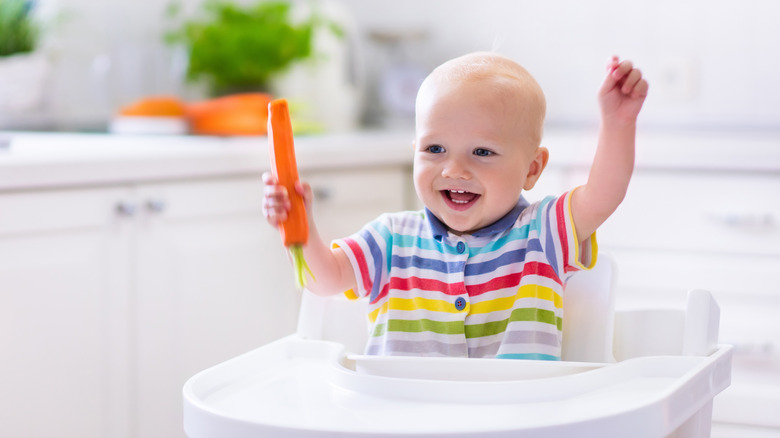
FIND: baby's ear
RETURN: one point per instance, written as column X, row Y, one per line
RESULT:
column 537, row 166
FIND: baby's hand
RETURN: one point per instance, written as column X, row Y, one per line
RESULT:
column 276, row 202
column 623, row 92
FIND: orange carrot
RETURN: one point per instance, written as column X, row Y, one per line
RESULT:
column 295, row 229
column 155, row 106
column 235, row 114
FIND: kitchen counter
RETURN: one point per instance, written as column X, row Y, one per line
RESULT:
column 750, row 151
column 36, row 160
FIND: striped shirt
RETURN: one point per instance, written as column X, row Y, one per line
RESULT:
column 496, row 292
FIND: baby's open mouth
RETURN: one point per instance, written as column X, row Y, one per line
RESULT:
column 460, row 197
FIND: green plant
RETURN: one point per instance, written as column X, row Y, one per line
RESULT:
column 18, row 31
column 239, row 48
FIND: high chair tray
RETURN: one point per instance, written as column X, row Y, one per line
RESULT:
column 464, row 369
column 297, row 387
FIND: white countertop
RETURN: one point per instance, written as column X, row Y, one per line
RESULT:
column 36, row 160
column 747, row 151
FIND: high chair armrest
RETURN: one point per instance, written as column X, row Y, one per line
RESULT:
column 648, row 332
column 692, row 331
column 702, row 320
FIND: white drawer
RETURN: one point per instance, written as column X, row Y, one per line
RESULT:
column 37, row 211
column 698, row 211
column 205, row 197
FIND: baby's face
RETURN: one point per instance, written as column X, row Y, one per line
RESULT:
column 473, row 154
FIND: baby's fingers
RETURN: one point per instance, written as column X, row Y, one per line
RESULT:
column 640, row 90
column 616, row 72
column 613, row 63
column 621, row 70
column 276, row 202
column 634, row 85
column 275, row 209
column 305, row 190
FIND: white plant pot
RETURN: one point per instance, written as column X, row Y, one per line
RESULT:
column 22, row 82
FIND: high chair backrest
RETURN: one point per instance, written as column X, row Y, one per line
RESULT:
column 589, row 313
column 588, row 319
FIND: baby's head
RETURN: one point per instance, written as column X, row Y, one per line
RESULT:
column 479, row 121
column 497, row 77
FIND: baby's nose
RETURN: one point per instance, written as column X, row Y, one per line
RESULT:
column 456, row 169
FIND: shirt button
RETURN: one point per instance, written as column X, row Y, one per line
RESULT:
column 461, row 247
column 460, row 303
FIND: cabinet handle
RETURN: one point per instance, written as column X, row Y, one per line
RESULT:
column 758, row 349
column 126, row 209
column 749, row 222
column 155, row 205
column 322, row 193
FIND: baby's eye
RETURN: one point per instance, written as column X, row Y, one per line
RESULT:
column 483, row 152
column 435, row 149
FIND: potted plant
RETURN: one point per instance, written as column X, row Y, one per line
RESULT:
column 240, row 48
column 23, row 69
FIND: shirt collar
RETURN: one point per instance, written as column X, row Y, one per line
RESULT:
column 440, row 230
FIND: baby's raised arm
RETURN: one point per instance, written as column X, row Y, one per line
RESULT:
column 621, row 97
column 331, row 269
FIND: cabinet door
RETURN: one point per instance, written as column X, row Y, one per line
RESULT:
column 63, row 324
column 213, row 282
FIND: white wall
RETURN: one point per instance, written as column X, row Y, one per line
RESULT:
column 105, row 54
column 711, row 63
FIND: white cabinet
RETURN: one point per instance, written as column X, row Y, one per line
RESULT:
column 64, row 287
column 111, row 297
column 210, row 282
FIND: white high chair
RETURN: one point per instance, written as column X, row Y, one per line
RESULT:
column 645, row 373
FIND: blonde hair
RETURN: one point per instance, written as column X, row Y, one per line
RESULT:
column 506, row 76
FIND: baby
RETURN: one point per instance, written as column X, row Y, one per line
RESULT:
column 479, row 272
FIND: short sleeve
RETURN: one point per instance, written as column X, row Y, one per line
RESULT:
column 367, row 251
column 582, row 256
column 559, row 238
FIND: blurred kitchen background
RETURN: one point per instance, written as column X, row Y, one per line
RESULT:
column 711, row 64
column 162, row 223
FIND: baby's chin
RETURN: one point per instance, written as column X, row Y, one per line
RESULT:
column 460, row 227
column 460, row 223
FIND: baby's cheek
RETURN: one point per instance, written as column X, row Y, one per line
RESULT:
column 419, row 178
